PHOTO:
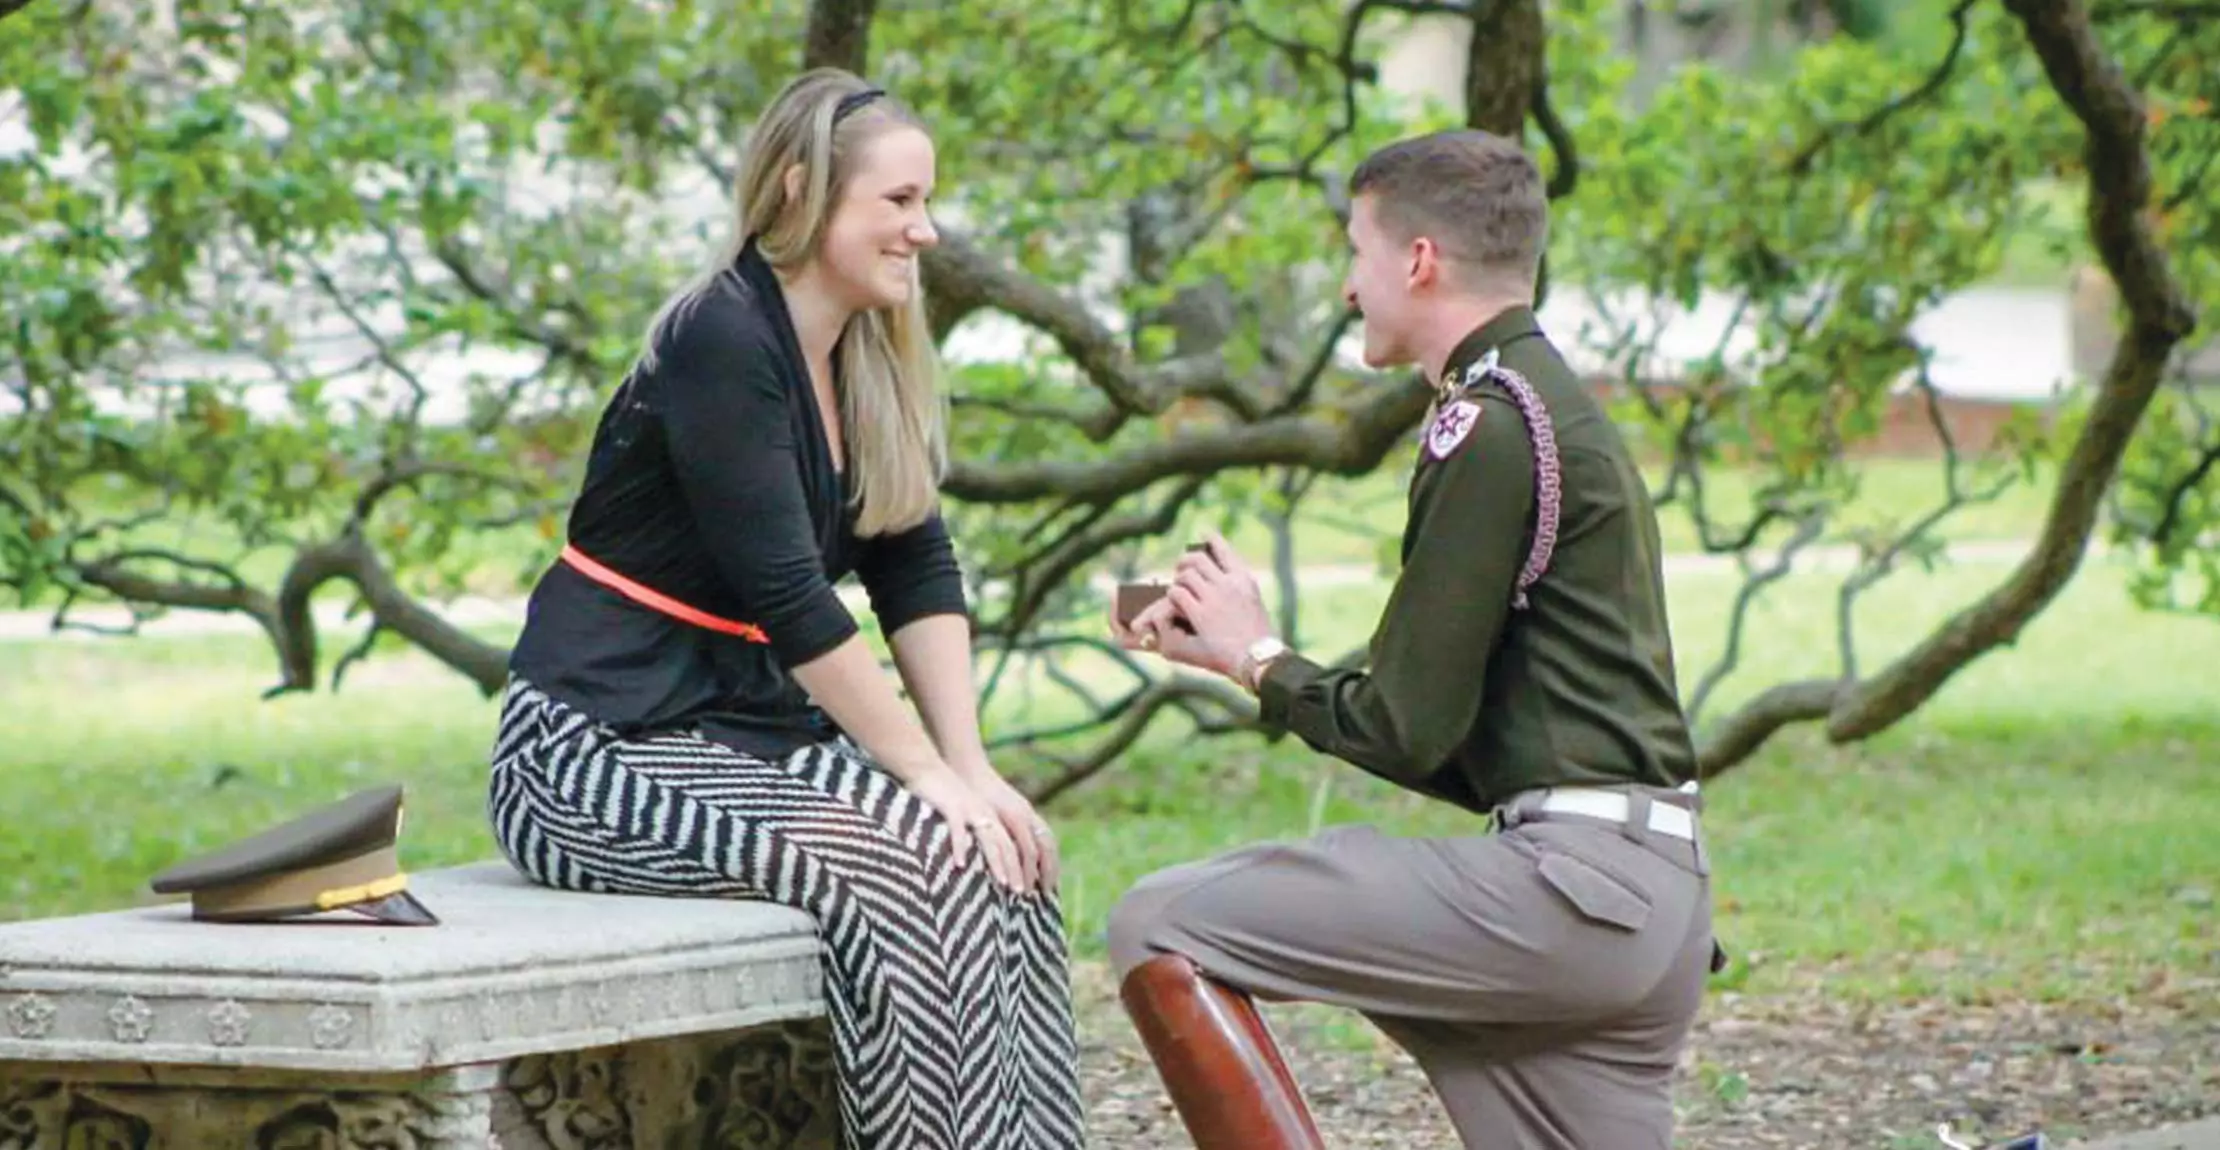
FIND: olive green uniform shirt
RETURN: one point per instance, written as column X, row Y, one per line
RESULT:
column 1467, row 697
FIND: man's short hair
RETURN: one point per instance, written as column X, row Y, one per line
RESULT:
column 1477, row 195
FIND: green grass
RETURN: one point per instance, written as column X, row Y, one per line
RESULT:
column 2043, row 828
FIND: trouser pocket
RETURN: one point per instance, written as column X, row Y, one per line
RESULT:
column 1598, row 895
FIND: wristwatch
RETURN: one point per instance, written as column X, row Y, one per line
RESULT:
column 1256, row 660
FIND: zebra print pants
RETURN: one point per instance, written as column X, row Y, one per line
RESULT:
column 949, row 994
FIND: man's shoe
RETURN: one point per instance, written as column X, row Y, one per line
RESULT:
column 1217, row 1060
column 2034, row 1141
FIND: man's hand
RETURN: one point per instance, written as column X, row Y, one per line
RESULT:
column 1217, row 595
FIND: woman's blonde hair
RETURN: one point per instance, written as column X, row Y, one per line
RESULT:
column 890, row 405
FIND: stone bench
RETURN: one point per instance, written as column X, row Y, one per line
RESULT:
column 529, row 1019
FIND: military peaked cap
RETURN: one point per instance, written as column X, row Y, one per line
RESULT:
column 341, row 857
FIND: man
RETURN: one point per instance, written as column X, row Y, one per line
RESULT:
column 1545, row 976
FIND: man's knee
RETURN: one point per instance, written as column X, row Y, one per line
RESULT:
column 1134, row 919
column 1157, row 913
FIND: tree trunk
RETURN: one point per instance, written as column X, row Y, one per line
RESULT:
column 839, row 34
column 1503, row 66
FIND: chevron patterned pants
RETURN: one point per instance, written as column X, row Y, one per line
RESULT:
column 949, row 995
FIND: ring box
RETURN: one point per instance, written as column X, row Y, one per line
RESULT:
column 1134, row 598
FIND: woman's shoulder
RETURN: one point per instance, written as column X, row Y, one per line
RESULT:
column 723, row 323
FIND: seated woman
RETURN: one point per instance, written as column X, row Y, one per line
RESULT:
column 692, row 710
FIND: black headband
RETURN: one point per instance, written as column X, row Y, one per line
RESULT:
column 854, row 100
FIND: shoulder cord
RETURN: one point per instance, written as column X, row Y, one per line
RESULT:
column 1548, row 477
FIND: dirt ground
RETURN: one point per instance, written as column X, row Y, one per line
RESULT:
column 1761, row 1073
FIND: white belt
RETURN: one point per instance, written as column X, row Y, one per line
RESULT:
column 1665, row 818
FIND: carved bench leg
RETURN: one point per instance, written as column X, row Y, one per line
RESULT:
column 769, row 1088
column 766, row 1088
column 176, row 1108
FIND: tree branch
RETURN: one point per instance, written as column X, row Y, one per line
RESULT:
column 1138, row 712
column 839, row 35
column 382, row 349
column 349, row 558
column 113, row 575
column 1753, row 585
column 2193, row 183
column 393, row 477
column 492, row 288
column 286, row 618
column 2160, row 316
column 1748, row 728
column 1925, row 91
column 1879, row 563
column 1567, row 176
column 1293, row 485
column 970, row 278
column 2171, row 9
column 1428, row 7
column 1042, row 645
column 1037, row 578
column 2178, row 494
column 1348, row 440
column 355, row 654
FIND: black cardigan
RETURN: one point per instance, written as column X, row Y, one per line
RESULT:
column 710, row 481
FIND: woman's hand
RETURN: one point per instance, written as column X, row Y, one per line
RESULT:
column 1036, row 843
column 972, row 820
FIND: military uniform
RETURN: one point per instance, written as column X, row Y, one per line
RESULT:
column 1545, row 976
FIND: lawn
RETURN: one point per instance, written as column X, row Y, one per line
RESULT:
column 2043, row 829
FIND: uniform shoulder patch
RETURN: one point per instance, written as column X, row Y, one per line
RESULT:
column 1459, row 412
column 1452, row 424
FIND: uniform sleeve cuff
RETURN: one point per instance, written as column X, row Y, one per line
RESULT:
column 1283, row 679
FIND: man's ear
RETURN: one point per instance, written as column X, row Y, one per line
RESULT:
column 1425, row 263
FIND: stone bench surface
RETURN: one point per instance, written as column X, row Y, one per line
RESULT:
column 512, row 969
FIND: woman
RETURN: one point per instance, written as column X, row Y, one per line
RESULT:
column 692, row 710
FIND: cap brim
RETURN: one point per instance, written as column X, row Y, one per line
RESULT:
column 397, row 909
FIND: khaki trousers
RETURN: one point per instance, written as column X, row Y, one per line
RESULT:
column 1545, row 977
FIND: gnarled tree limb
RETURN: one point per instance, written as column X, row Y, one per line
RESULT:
column 351, row 559
column 2159, row 317
column 1349, row 439
column 114, row 574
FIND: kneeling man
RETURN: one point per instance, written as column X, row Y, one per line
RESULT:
column 1544, row 975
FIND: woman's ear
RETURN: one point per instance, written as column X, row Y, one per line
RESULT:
column 792, row 179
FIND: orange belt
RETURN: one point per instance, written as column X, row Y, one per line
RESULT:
column 657, row 601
